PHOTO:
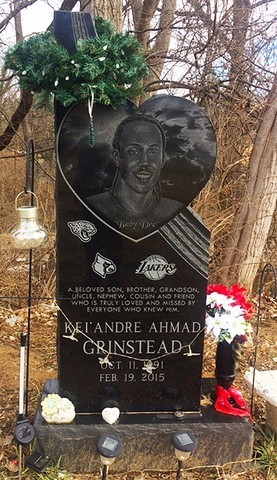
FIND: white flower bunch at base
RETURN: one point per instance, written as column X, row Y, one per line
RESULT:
column 56, row 409
column 227, row 314
column 226, row 326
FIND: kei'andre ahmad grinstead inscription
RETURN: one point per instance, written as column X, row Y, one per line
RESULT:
column 135, row 323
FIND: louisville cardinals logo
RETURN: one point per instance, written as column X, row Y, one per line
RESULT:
column 103, row 266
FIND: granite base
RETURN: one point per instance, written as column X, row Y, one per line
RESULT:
column 147, row 445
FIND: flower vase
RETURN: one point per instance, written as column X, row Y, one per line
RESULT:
column 225, row 370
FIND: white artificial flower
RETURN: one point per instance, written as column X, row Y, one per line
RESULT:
column 235, row 326
column 217, row 299
column 213, row 325
column 228, row 320
column 228, row 324
column 248, row 328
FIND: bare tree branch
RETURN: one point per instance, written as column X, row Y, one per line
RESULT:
column 261, row 2
column 25, row 103
column 14, row 12
column 20, row 113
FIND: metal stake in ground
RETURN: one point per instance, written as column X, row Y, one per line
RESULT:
column 24, row 431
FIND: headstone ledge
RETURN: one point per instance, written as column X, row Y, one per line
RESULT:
column 220, row 439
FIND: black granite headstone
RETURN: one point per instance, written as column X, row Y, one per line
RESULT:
column 132, row 256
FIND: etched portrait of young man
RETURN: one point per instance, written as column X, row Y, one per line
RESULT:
column 146, row 166
column 135, row 198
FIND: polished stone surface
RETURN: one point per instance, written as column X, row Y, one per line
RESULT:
column 132, row 257
column 132, row 290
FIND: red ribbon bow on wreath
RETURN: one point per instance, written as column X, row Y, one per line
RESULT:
column 223, row 405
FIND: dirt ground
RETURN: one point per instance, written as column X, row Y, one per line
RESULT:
column 43, row 365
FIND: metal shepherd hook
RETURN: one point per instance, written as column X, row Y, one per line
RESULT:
column 29, row 186
column 268, row 266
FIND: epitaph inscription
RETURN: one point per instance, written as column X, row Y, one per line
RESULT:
column 131, row 300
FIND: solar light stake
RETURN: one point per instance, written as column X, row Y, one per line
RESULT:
column 109, row 448
column 180, row 471
column 23, row 338
column 27, row 233
column 105, row 472
column 24, row 431
column 183, row 443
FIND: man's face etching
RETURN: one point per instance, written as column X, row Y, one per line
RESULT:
column 141, row 156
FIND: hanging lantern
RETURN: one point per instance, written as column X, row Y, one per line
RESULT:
column 28, row 233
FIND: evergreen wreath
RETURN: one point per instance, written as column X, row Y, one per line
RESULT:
column 111, row 65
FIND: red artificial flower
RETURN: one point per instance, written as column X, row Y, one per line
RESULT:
column 235, row 289
column 240, row 300
column 241, row 339
column 218, row 288
column 235, row 292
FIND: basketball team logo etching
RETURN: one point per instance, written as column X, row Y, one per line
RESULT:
column 156, row 267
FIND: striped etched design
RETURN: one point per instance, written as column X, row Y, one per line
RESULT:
column 187, row 235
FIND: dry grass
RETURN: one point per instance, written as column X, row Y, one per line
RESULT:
column 15, row 263
column 217, row 204
column 43, row 365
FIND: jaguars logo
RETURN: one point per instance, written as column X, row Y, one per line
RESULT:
column 83, row 229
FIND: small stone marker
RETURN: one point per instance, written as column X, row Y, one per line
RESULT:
column 265, row 385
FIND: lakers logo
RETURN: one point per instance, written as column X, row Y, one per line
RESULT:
column 156, row 267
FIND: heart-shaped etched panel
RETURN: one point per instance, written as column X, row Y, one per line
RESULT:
column 146, row 165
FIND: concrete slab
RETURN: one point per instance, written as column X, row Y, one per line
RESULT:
column 265, row 385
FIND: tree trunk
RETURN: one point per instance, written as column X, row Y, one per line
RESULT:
column 112, row 11
column 109, row 9
column 237, row 50
column 251, row 225
column 19, row 38
column 156, row 49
